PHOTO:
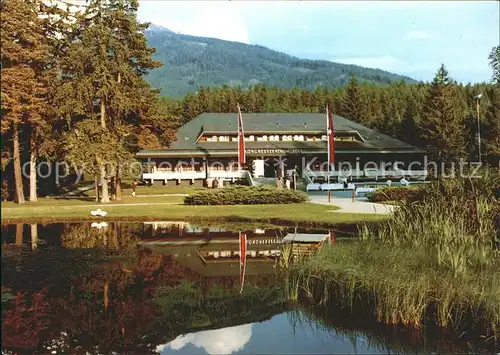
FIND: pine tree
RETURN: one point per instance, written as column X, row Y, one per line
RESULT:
column 490, row 129
column 410, row 124
column 320, row 95
column 104, row 72
column 23, row 57
column 90, row 146
column 442, row 124
column 54, row 26
column 132, row 58
column 191, row 108
column 494, row 58
column 353, row 103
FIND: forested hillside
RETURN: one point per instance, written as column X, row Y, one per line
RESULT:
column 191, row 62
column 440, row 116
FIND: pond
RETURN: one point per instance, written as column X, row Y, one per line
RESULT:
column 174, row 287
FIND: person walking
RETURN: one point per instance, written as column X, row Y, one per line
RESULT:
column 134, row 186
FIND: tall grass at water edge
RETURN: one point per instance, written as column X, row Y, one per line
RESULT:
column 436, row 260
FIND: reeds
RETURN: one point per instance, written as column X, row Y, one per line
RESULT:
column 435, row 260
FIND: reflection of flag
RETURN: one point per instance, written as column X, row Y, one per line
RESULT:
column 241, row 139
column 331, row 135
column 243, row 259
column 332, row 238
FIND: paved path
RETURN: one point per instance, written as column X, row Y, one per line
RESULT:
column 348, row 206
column 78, row 191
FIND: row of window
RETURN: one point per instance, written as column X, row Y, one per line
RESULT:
column 277, row 138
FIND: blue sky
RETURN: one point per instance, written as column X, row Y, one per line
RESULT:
column 411, row 38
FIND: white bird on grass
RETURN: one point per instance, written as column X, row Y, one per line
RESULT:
column 98, row 212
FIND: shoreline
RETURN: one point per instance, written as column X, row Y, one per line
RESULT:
column 358, row 277
column 305, row 215
column 208, row 220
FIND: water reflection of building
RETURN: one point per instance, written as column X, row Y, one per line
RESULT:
column 214, row 251
column 307, row 244
column 183, row 230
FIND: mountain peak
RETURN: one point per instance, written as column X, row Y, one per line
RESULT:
column 158, row 28
column 192, row 62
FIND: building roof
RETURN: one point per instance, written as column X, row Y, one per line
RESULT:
column 276, row 123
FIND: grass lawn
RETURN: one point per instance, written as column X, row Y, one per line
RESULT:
column 141, row 189
column 303, row 214
column 89, row 201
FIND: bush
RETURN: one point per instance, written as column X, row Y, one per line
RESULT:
column 398, row 193
column 245, row 195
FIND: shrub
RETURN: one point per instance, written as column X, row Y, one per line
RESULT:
column 398, row 193
column 245, row 195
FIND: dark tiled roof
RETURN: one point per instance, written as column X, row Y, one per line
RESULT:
column 275, row 123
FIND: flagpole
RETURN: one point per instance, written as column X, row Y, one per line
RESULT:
column 239, row 159
column 241, row 140
column 328, row 153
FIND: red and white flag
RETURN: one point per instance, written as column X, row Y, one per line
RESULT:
column 331, row 137
column 241, row 139
column 243, row 259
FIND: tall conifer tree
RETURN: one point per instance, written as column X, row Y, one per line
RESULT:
column 490, row 129
column 24, row 54
column 442, row 123
column 494, row 58
column 104, row 72
column 353, row 104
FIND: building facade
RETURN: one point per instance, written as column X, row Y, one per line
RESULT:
column 276, row 144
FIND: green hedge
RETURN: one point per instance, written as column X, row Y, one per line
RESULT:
column 397, row 193
column 245, row 195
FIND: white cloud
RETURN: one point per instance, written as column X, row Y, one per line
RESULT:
column 206, row 19
column 219, row 341
column 387, row 63
column 419, row 34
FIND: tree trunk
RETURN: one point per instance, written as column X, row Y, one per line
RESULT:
column 119, row 233
column 34, row 236
column 18, row 177
column 113, row 188
column 118, row 182
column 103, row 113
column 104, row 185
column 118, row 178
column 19, row 234
column 104, row 181
column 106, row 299
column 33, row 156
column 96, row 183
column 114, row 235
